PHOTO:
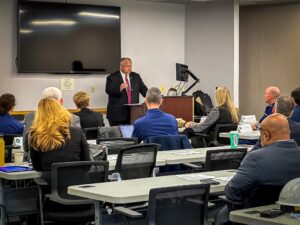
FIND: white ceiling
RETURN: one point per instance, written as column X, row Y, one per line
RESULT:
column 242, row 2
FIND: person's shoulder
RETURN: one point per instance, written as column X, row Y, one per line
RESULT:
column 114, row 74
column 75, row 129
column 134, row 74
column 170, row 116
column 139, row 121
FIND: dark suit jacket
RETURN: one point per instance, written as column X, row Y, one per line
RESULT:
column 75, row 149
column 89, row 118
column 116, row 109
column 295, row 134
column 275, row 164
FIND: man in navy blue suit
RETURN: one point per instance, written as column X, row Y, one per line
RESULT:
column 123, row 87
column 270, row 95
column 284, row 105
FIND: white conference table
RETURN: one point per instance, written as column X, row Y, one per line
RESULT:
column 189, row 155
column 255, row 135
column 137, row 190
column 172, row 157
column 13, row 176
column 241, row 216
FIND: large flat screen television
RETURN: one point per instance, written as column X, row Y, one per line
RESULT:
column 68, row 38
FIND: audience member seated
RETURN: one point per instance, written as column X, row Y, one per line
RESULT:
column 50, row 92
column 270, row 95
column 8, row 124
column 275, row 164
column 296, row 100
column 284, row 105
column 155, row 122
column 88, row 118
column 53, row 139
column 224, row 113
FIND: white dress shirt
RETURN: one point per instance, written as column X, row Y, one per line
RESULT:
column 124, row 79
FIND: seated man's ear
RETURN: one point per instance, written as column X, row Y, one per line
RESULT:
column 161, row 101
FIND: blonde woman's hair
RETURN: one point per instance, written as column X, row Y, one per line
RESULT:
column 81, row 99
column 223, row 98
column 51, row 126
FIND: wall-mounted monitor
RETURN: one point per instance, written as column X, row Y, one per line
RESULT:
column 182, row 72
column 68, row 38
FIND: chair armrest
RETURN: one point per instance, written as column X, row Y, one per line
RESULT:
column 201, row 134
column 194, row 166
column 127, row 212
column 12, row 146
column 40, row 181
column 228, row 201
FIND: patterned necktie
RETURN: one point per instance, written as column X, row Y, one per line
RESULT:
column 128, row 90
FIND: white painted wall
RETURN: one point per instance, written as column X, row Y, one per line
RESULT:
column 152, row 34
column 209, row 45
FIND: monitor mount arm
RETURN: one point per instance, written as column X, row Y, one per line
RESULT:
column 193, row 84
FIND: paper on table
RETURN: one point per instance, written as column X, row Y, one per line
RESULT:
column 93, row 142
column 195, row 176
column 224, row 178
column 112, row 157
column 184, row 153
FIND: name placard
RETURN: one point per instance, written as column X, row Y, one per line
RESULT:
column 248, row 119
column 245, row 128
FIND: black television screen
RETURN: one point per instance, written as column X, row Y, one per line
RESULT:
column 68, row 38
column 182, row 72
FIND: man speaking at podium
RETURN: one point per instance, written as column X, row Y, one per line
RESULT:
column 123, row 87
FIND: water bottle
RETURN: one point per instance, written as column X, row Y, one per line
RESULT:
column 2, row 150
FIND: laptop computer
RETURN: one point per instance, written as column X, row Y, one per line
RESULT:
column 126, row 130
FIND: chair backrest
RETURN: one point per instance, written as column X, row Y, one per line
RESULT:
column 109, row 132
column 170, row 142
column 91, row 133
column 184, row 205
column 9, row 139
column 137, row 161
column 114, row 145
column 19, row 117
column 263, row 195
column 223, row 128
column 66, row 174
column 223, row 159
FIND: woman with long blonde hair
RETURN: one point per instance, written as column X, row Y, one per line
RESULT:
column 52, row 139
column 225, row 112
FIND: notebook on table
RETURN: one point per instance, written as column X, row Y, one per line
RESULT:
column 11, row 169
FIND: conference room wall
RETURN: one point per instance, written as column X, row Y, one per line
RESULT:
column 152, row 34
column 269, row 52
column 209, row 45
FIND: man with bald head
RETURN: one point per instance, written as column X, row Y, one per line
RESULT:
column 270, row 95
column 276, row 163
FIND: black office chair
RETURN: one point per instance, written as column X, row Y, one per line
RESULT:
column 170, row 142
column 221, row 159
column 262, row 195
column 136, row 161
column 213, row 139
column 114, row 145
column 19, row 117
column 9, row 146
column 59, row 205
column 91, row 133
column 224, row 159
column 109, row 132
column 184, row 205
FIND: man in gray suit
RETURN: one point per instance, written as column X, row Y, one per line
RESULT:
column 50, row 92
column 276, row 163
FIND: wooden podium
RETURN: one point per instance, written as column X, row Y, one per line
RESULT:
column 179, row 106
